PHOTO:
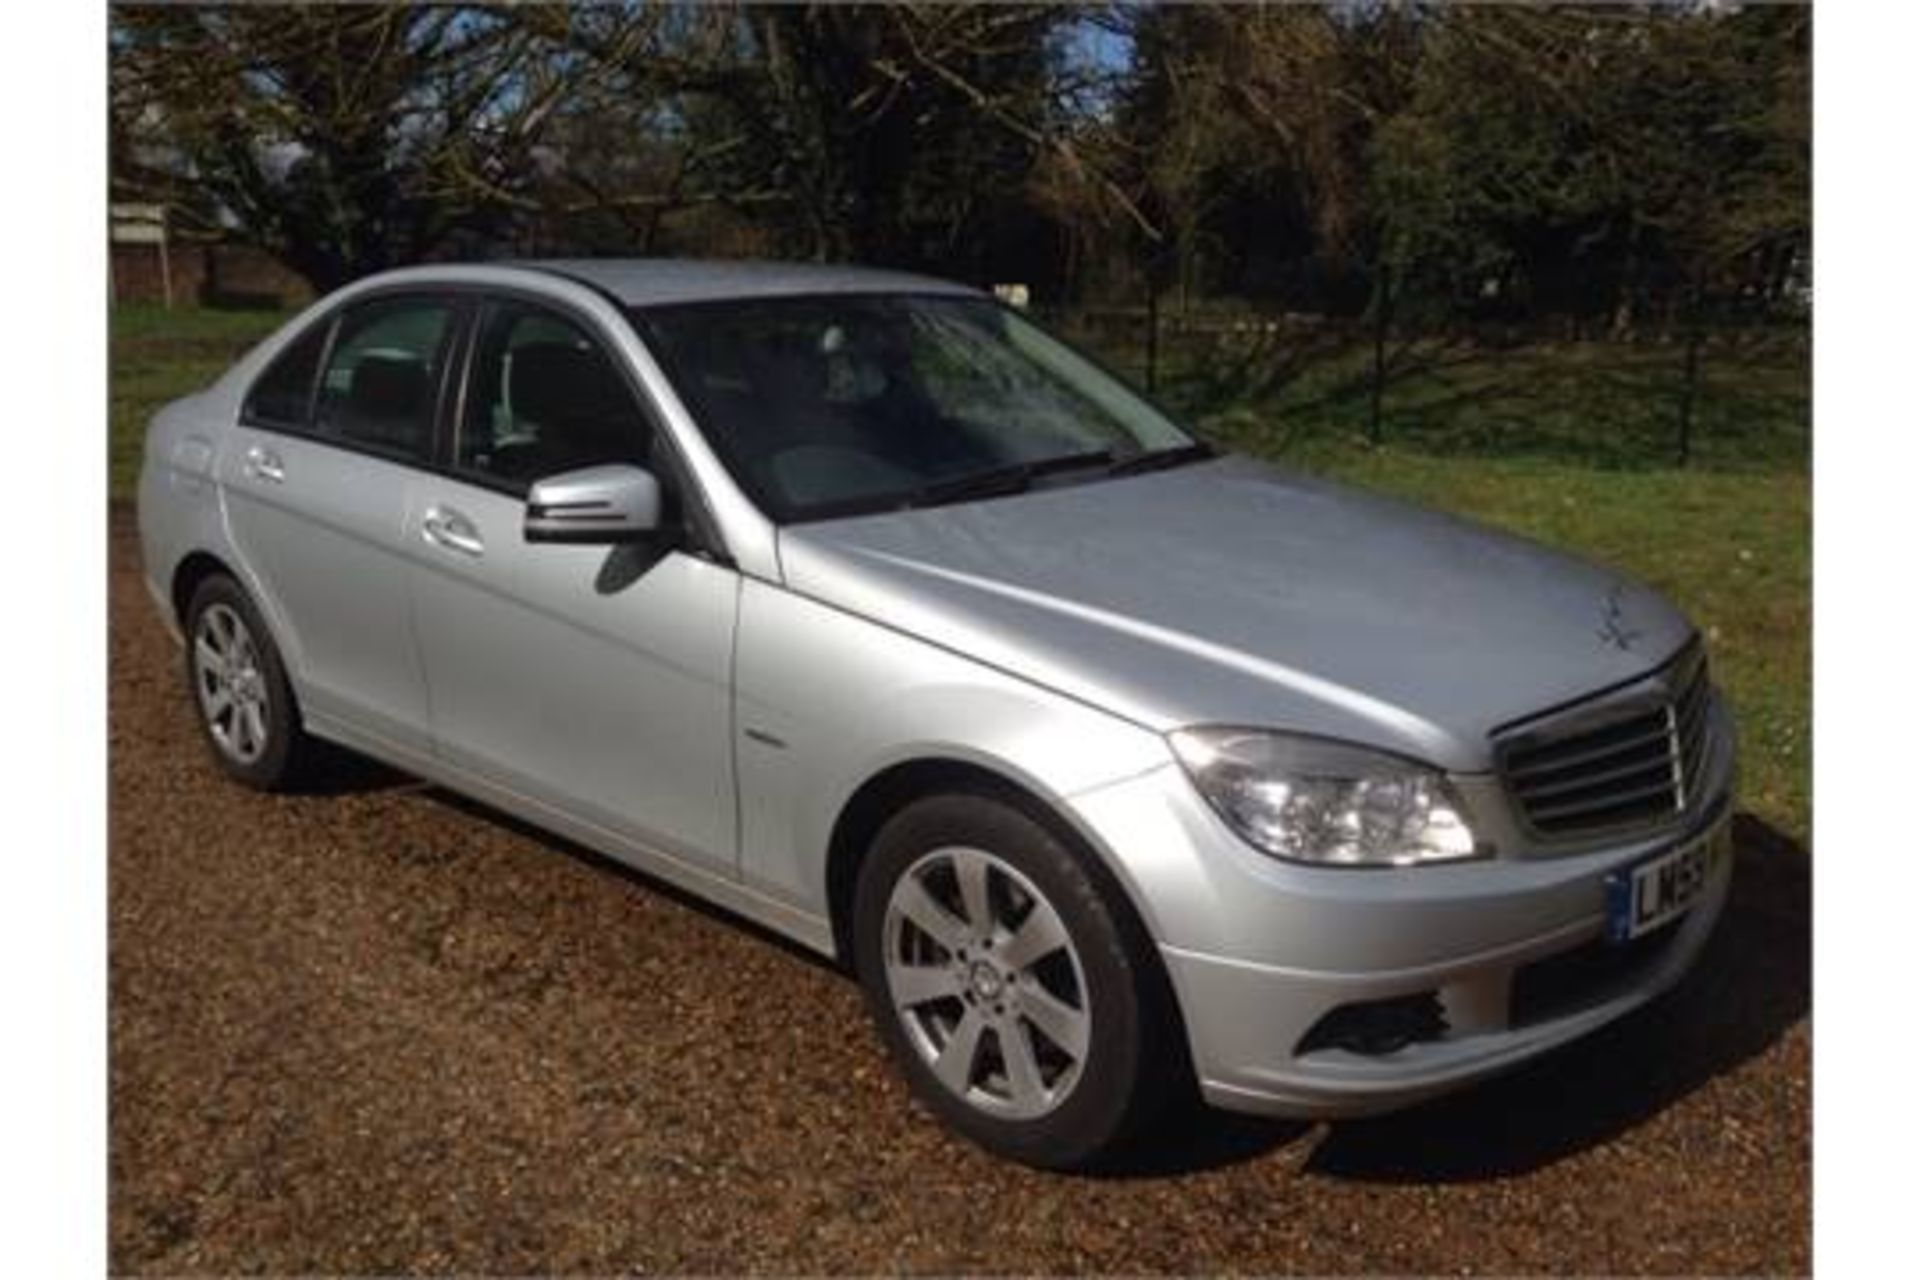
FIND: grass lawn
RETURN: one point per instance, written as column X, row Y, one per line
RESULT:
column 1591, row 403
column 158, row 355
column 1565, row 444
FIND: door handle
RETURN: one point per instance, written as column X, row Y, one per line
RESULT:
column 265, row 464
column 445, row 527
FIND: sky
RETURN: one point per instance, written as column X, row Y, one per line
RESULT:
column 1091, row 42
column 1091, row 45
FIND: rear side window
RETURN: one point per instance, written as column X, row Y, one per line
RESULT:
column 284, row 394
column 378, row 389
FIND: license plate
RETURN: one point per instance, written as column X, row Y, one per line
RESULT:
column 1649, row 894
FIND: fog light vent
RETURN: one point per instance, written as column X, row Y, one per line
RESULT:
column 1375, row 1027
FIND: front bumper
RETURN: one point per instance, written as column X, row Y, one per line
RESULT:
column 1510, row 949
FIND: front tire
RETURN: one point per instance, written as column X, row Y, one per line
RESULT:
column 1004, row 981
column 239, row 687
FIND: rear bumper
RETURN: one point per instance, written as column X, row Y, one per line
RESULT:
column 1510, row 952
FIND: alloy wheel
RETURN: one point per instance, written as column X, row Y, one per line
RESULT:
column 230, row 683
column 985, row 979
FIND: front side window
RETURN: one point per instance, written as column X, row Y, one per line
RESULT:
column 842, row 403
column 378, row 390
column 542, row 398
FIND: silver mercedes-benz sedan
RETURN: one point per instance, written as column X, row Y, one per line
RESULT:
column 1114, row 766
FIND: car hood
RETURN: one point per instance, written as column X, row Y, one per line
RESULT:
column 1232, row 592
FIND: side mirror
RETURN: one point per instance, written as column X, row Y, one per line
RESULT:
column 606, row 504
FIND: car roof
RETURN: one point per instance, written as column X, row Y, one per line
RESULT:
column 643, row 282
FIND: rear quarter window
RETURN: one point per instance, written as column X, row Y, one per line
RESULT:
column 283, row 395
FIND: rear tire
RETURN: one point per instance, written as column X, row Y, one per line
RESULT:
column 239, row 687
column 1004, row 981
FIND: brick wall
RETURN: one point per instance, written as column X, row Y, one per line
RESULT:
column 208, row 274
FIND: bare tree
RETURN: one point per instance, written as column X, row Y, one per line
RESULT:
column 343, row 140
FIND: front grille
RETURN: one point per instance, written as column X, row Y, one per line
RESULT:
column 1622, row 761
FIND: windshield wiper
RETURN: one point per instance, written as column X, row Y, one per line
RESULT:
column 1014, row 478
column 1159, row 459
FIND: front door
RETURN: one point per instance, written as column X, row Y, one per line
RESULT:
column 593, row 679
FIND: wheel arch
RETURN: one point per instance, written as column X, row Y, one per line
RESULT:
column 902, row 782
column 195, row 568
column 898, row 785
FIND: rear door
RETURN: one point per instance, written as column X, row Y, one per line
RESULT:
column 592, row 679
column 318, row 481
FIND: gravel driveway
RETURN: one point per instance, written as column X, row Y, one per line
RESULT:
column 383, row 1030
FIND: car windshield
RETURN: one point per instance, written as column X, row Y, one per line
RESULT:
column 841, row 404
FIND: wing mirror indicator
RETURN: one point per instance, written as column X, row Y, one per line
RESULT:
column 607, row 504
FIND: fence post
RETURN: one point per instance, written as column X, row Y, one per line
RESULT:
column 1382, row 308
column 1153, row 337
column 1690, row 376
column 1686, row 396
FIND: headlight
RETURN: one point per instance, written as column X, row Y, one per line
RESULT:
column 1310, row 800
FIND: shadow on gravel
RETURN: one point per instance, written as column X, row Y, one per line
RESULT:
column 1752, row 984
column 339, row 772
column 1196, row 1138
